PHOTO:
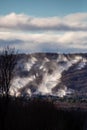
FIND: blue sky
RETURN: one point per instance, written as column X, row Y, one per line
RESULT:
column 43, row 7
column 44, row 25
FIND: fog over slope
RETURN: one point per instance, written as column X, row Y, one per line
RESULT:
column 50, row 74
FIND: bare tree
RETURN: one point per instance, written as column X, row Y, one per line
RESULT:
column 8, row 60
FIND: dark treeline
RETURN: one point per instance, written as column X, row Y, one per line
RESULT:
column 39, row 114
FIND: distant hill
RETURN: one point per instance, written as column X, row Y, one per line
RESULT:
column 50, row 74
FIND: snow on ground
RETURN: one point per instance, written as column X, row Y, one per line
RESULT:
column 82, row 63
column 51, row 71
column 30, row 63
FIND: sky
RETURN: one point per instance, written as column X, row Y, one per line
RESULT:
column 44, row 25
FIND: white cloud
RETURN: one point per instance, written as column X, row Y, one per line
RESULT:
column 45, row 41
column 72, row 22
column 68, row 33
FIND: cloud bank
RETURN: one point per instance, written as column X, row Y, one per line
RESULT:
column 73, row 22
column 50, row 34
